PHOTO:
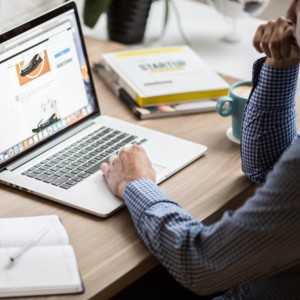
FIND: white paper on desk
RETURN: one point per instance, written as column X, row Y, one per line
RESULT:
column 18, row 231
column 41, row 270
column 196, row 105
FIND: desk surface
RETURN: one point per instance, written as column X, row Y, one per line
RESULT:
column 109, row 252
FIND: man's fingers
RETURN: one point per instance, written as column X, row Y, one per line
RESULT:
column 257, row 38
column 280, row 41
column 275, row 44
column 289, row 46
column 104, row 167
column 112, row 158
column 276, row 40
column 266, row 37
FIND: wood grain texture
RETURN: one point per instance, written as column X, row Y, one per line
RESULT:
column 109, row 251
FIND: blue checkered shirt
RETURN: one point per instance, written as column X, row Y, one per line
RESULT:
column 253, row 252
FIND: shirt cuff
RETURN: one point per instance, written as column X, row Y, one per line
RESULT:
column 276, row 86
column 139, row 195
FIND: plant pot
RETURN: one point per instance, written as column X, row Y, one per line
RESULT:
column 127, row 20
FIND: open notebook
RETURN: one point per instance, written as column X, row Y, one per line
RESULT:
column 47, row 267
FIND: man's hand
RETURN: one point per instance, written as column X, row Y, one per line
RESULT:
column 276, row 39
column 131, row 164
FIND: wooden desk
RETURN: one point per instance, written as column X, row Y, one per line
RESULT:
column 109, row 252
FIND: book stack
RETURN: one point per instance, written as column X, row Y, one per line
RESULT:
column 159, row 82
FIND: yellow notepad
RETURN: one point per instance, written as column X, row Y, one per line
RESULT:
column 47, row 267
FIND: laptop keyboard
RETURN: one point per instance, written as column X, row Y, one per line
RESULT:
column 78, row 161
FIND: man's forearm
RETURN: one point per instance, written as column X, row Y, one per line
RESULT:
column 269, row 124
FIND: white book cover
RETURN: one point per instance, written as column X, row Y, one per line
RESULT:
column 164, row 75
column 47, row 264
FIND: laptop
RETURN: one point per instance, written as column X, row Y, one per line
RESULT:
column 53, row 136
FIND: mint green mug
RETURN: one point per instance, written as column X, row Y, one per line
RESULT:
column 233, row 105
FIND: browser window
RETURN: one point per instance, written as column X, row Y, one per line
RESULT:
column 44, row 85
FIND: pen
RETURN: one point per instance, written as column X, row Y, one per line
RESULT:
column 33, row 241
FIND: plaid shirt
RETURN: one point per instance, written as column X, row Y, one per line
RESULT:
column 269, row 125
column 253, row 252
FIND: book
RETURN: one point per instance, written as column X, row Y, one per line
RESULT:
column 155, row 111
column 36, row 258
column 163, row 75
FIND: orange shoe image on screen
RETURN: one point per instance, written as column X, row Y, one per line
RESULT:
column 31, row 65
column 32, row 68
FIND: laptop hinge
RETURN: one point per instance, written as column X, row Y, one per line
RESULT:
column 48, row 146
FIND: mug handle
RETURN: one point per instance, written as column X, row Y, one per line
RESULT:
column 228, row 111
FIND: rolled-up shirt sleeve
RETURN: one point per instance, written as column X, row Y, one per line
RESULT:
column 269, row 123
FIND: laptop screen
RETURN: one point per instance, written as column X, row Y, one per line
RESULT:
column 45, row 85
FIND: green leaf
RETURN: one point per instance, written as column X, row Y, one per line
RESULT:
column 92, row 11
column 166, row 16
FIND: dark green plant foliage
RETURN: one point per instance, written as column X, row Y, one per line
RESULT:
column 94, row 8
column 92, row 11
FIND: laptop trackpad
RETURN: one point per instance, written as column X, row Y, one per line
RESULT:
column 158, row 168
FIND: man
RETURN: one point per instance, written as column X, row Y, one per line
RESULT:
column 254, row 252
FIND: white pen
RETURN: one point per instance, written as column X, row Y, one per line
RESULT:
column 32, row 242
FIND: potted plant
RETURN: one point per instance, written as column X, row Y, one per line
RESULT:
column 126, row 19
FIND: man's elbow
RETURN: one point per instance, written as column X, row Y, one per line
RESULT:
column 212, row 283
column 255, row 175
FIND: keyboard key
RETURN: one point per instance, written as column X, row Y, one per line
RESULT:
column 78, row 179
column 59, row 181
column 65, row 186
column 129, row 139
column 32, row 175
column 50, row 179
column 41, row 176
column 49, row 172
column 69, row 175
column 96, row 167
column 84, row 175
column 71, row 182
